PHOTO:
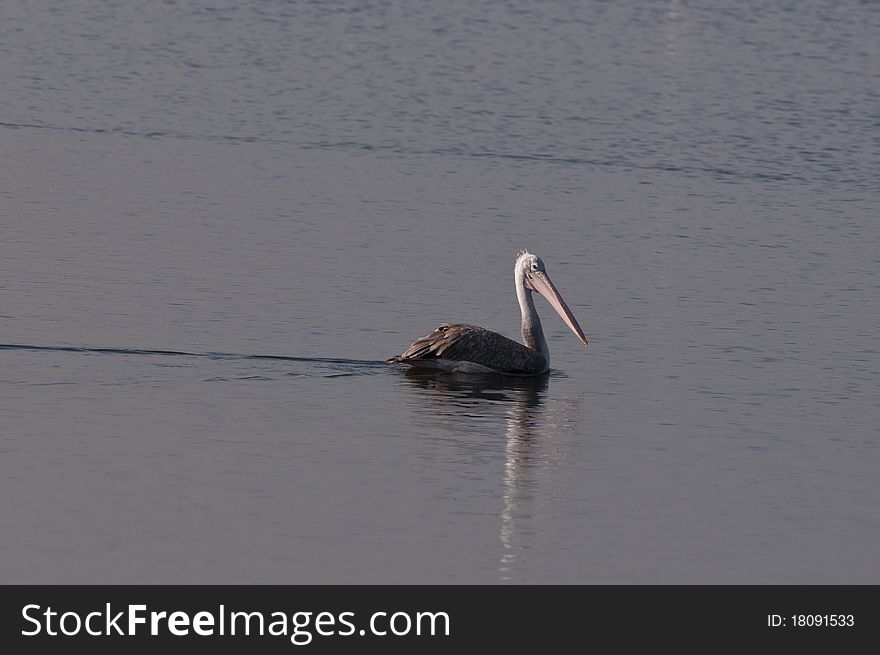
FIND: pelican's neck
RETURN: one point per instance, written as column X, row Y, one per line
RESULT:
column 532, row 333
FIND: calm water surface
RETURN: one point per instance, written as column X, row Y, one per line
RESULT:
column 218, row 219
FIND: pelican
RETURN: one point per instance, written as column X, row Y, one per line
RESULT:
column 461, row 348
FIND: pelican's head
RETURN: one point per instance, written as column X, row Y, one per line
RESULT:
column 531, row 273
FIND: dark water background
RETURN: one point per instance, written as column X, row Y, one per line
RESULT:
column 189, row 184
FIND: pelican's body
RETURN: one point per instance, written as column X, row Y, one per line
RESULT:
column 461, row 348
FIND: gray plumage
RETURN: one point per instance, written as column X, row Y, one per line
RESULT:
column 469, row 343
column 462, row 348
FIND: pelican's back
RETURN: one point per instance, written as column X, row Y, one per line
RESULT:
column 459, row 344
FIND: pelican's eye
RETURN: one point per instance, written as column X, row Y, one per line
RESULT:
column 534, row 266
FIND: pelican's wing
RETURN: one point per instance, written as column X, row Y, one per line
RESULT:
column 470, row 343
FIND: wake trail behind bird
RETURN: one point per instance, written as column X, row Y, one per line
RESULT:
column 205, row 355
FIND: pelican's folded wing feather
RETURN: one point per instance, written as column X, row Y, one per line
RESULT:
column 470, row 343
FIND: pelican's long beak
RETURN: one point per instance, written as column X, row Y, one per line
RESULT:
column 541, row 283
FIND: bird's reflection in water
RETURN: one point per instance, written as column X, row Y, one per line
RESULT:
column 538, row 429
